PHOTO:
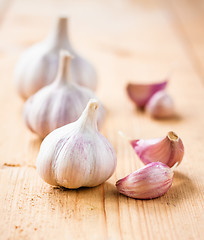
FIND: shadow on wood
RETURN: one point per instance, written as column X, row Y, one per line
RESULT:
column 183, row 188
column 35, row 142
column 171, row 120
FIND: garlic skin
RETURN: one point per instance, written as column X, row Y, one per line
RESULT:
column 59, row 103
column 168, row 150
column 161, row 105
column 140, row 94
column 76, row 154
column 151, row 181
column 37, row 67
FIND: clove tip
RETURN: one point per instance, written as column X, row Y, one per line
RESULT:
column 93, row 104
column 173, row 136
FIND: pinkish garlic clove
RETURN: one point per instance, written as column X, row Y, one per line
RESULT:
column 168, row 150
column 161, row 105
column 151, row 181
column 140, row 94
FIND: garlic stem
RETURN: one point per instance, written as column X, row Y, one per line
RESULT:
column 64, row 66
column 89, row 115
column 60, row 34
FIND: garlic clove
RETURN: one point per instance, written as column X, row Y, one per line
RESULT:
column 168, row 150
column 140, row 94
column 161, row 105
column 150, row 181
column 37, row 67
column 77, row 154
column 59, row 103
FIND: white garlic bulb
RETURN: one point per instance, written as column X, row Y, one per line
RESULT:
column 76, row 154
column 59, row 103
column 37, row 67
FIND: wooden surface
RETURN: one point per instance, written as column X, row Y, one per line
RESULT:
column 126, row 40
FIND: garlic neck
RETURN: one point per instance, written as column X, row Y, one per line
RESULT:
column 63, row 76
column 88, row 119
column 59, row 36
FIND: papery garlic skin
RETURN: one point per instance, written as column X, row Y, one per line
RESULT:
column 59, row 103
column 161, row 105
column 151, row 181
column 140, row 94
column 76, row 154
column 37, row 67
column 168, row 150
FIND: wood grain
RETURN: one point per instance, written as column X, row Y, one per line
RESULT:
column 126, row 41
column 189, row 20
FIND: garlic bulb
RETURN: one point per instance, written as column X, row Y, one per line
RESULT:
column 168, row 150
column 76, row 154
column 140, row 94
column 151, row 181
column 59, row 103
column 37, row 67
column 160, row 105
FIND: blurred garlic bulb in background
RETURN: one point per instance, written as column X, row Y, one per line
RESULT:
column 161, row 105
column 77, row 154
column 59, row 103
column 37, row 67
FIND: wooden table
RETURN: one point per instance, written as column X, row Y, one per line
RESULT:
column 126, row 40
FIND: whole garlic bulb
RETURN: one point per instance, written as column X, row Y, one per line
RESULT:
column 76, row 154
column 37, row 67
column 59, row 103
column 161, row 105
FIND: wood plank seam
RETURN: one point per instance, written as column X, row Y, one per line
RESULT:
column 181, row 33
